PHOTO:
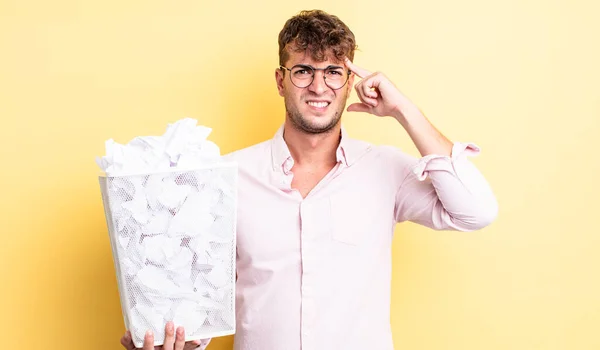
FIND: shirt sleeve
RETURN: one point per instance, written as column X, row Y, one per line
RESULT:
column 445, row 192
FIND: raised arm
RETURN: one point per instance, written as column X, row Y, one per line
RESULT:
column 442, row 189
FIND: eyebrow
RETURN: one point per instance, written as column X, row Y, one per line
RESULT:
column 328, row 67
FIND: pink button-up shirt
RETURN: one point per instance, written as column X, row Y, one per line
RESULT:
column 314, row 273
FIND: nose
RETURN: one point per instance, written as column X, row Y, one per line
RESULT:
column 318, row 85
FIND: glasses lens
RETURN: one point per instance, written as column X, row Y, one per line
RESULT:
column 302, row 76
column 335, row 77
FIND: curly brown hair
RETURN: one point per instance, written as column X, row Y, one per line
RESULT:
column 318, row 32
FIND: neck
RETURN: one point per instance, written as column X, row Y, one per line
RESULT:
column 312, row 149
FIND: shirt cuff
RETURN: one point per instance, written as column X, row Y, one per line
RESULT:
column 435, row 162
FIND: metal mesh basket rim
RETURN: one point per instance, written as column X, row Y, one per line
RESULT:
column 216, row 165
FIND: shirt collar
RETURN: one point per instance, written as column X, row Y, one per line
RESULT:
column 346, row 152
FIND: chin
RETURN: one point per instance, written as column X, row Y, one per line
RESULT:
column 322, row 125
column 311, row 122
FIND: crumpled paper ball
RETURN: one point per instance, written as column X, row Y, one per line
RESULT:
column 183, row 145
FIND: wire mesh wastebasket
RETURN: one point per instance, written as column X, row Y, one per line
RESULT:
column 173, row 240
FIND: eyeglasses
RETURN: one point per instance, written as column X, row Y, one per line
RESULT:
column 303, row 75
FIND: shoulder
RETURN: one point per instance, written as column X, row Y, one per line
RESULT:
column 385, row 154
column 251, row 158
column 249, row 151
column 395, row 154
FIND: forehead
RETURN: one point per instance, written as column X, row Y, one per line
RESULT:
column 305, row 57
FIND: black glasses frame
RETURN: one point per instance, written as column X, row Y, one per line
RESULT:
column 313, row 71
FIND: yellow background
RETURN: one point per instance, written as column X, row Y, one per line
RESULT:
column 518, row 78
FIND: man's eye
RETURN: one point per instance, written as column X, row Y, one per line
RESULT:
column 302, row 71
column 334, row 72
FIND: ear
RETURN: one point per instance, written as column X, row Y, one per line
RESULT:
column 279, row 79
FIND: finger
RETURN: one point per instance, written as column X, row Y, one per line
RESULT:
column 368, row 101
column 127, row 342
column 361, row 72
column 364, row 98
column 363, row 90
column 180, row 339
column 197, row 344
column 149, row 341
column 370, row 85
column 369, row 91
column 169, row 336
column 192, row 345
column 359, row 107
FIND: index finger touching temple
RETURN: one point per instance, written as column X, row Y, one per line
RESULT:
column 361, row 72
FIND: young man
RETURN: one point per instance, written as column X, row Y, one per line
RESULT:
column 317, row 209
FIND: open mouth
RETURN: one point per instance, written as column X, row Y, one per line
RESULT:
column 318, row 104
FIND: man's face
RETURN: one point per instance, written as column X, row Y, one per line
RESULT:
column 316, row 108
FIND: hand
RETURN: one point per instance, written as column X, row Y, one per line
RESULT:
column 174, row 340
column 379, row 96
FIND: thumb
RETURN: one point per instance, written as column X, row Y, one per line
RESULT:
column 359, row 107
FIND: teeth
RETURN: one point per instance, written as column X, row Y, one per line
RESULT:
column 318, row 104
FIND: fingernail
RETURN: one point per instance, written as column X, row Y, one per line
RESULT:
column 148, row 333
